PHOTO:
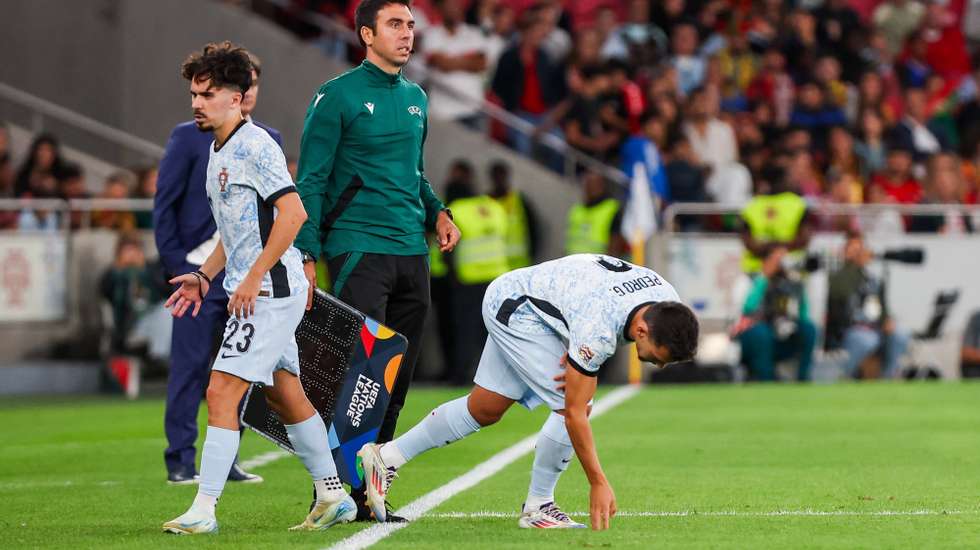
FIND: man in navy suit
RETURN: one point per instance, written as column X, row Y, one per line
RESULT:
column 185, row 235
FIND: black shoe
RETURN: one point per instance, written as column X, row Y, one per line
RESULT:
column 241, row 476
column 392, row 518
column 182, row 475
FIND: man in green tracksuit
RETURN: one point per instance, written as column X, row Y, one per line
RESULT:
column 369, row 204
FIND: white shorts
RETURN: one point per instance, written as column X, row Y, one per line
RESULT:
column 254, row 348
column 521, row 363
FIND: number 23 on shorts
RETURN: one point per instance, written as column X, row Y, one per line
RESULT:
column 238, row 338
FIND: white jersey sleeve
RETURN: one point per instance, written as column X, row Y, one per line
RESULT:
column 271, row 175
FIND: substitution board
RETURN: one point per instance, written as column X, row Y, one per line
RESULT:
column 348, row 367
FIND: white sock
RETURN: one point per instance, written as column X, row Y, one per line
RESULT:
column 552, row 454
column 312, row 445
column 204, row 503
column 217, row 456
column 329, row 489
column 448, row 422
column 392, row 455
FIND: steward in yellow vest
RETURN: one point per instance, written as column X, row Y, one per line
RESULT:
column 522, row 225
column 770, row 220
column 481, row 255
column 593, row 224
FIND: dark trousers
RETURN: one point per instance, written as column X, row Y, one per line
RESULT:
column 469, row 332
column 761, row 349
column 190, row 361
column 393, row 290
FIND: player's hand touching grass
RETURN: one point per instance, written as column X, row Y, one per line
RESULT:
column 446, row 232
column 242, row 302
column 192, row 290
column 602, row 505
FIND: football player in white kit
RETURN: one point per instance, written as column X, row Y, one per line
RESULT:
column 551, row 327
column 258, row 214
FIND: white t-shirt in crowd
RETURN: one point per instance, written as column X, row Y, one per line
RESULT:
column 465, row 39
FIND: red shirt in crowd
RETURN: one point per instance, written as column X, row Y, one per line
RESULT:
column 905, row 192
column 531, row 100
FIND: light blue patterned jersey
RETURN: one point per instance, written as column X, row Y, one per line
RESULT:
column 587, row 299
column 245, row 178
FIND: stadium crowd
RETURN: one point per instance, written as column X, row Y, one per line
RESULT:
column 851, row 101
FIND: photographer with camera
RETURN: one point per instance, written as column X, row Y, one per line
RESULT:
column 775, row 323
column 857, row 313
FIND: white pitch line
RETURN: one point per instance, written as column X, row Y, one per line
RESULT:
column 418, row 507
column 258, row 461
column 721, row 513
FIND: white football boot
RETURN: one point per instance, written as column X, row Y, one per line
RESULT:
column 326, row 514
column 548, row 516
column 377, row 478
column 192, row 522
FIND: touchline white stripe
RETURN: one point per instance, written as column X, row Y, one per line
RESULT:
column 258, row 461
column 417, row 508
column 722, row 513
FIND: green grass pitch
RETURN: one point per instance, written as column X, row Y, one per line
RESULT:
column 788, row 466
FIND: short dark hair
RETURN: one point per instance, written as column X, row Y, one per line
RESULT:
column 366, row 15
column 674, row 326
column 227, row 65
column 256, row 64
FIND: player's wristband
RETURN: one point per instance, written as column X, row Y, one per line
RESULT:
column 201, row 274
column 448, row 213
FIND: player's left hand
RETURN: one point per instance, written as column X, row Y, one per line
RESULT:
column 446, row 232
column 563, row 363
column 242, row 302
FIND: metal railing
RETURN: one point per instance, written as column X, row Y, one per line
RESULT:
column 41, row 110
column 572, row 158
column 84, row 206
column 671, row 213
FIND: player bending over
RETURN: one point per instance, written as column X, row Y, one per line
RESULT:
column 258, row 214
column 570, row 312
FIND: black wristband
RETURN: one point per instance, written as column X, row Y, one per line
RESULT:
column 201, row 274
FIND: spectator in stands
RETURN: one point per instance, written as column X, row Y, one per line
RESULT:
column 134, row 289
column 523, row 222
column 842, row 156
column 686, row 58
column 802, row 176
column 897, row 181
column 72, row 186
column 814, row 114
column 457, row 56
column 42, row 186
column 8, row 218
column 944, row 187
column 775, row 323
column 623, row 104
column 500, row 35
column 43, row 161
column 842, row 188
column 594, row 224
column 528, row 82
column 583, row 126
column 828, row 75
column 871, row 148
column 772, row 85
column 712, row 139
column 146, row 188
column 643, row 149
column 802, row 44
column 636, row 40
column 883, row 222
column 945, row 45
column 837, row 23
column 858, row 316
column 119, row 185
column 685, row 181
column 970, row 352
column 897, row 19
column 557, row 43
column 914, row 132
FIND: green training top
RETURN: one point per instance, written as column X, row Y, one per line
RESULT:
column 360, row 167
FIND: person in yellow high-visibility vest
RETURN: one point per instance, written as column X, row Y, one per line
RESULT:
column 593, row 224
column 774, row 219
column 480, row 258
column 523, row 235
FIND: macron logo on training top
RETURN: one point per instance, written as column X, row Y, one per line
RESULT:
column 319, row 96
column 370, row 107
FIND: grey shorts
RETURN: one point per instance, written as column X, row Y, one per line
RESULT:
column 254, row 348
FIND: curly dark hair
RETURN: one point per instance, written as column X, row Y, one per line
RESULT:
column 227, row 65
column 674, row 326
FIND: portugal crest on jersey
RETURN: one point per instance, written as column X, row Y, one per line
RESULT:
column 222, row 179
